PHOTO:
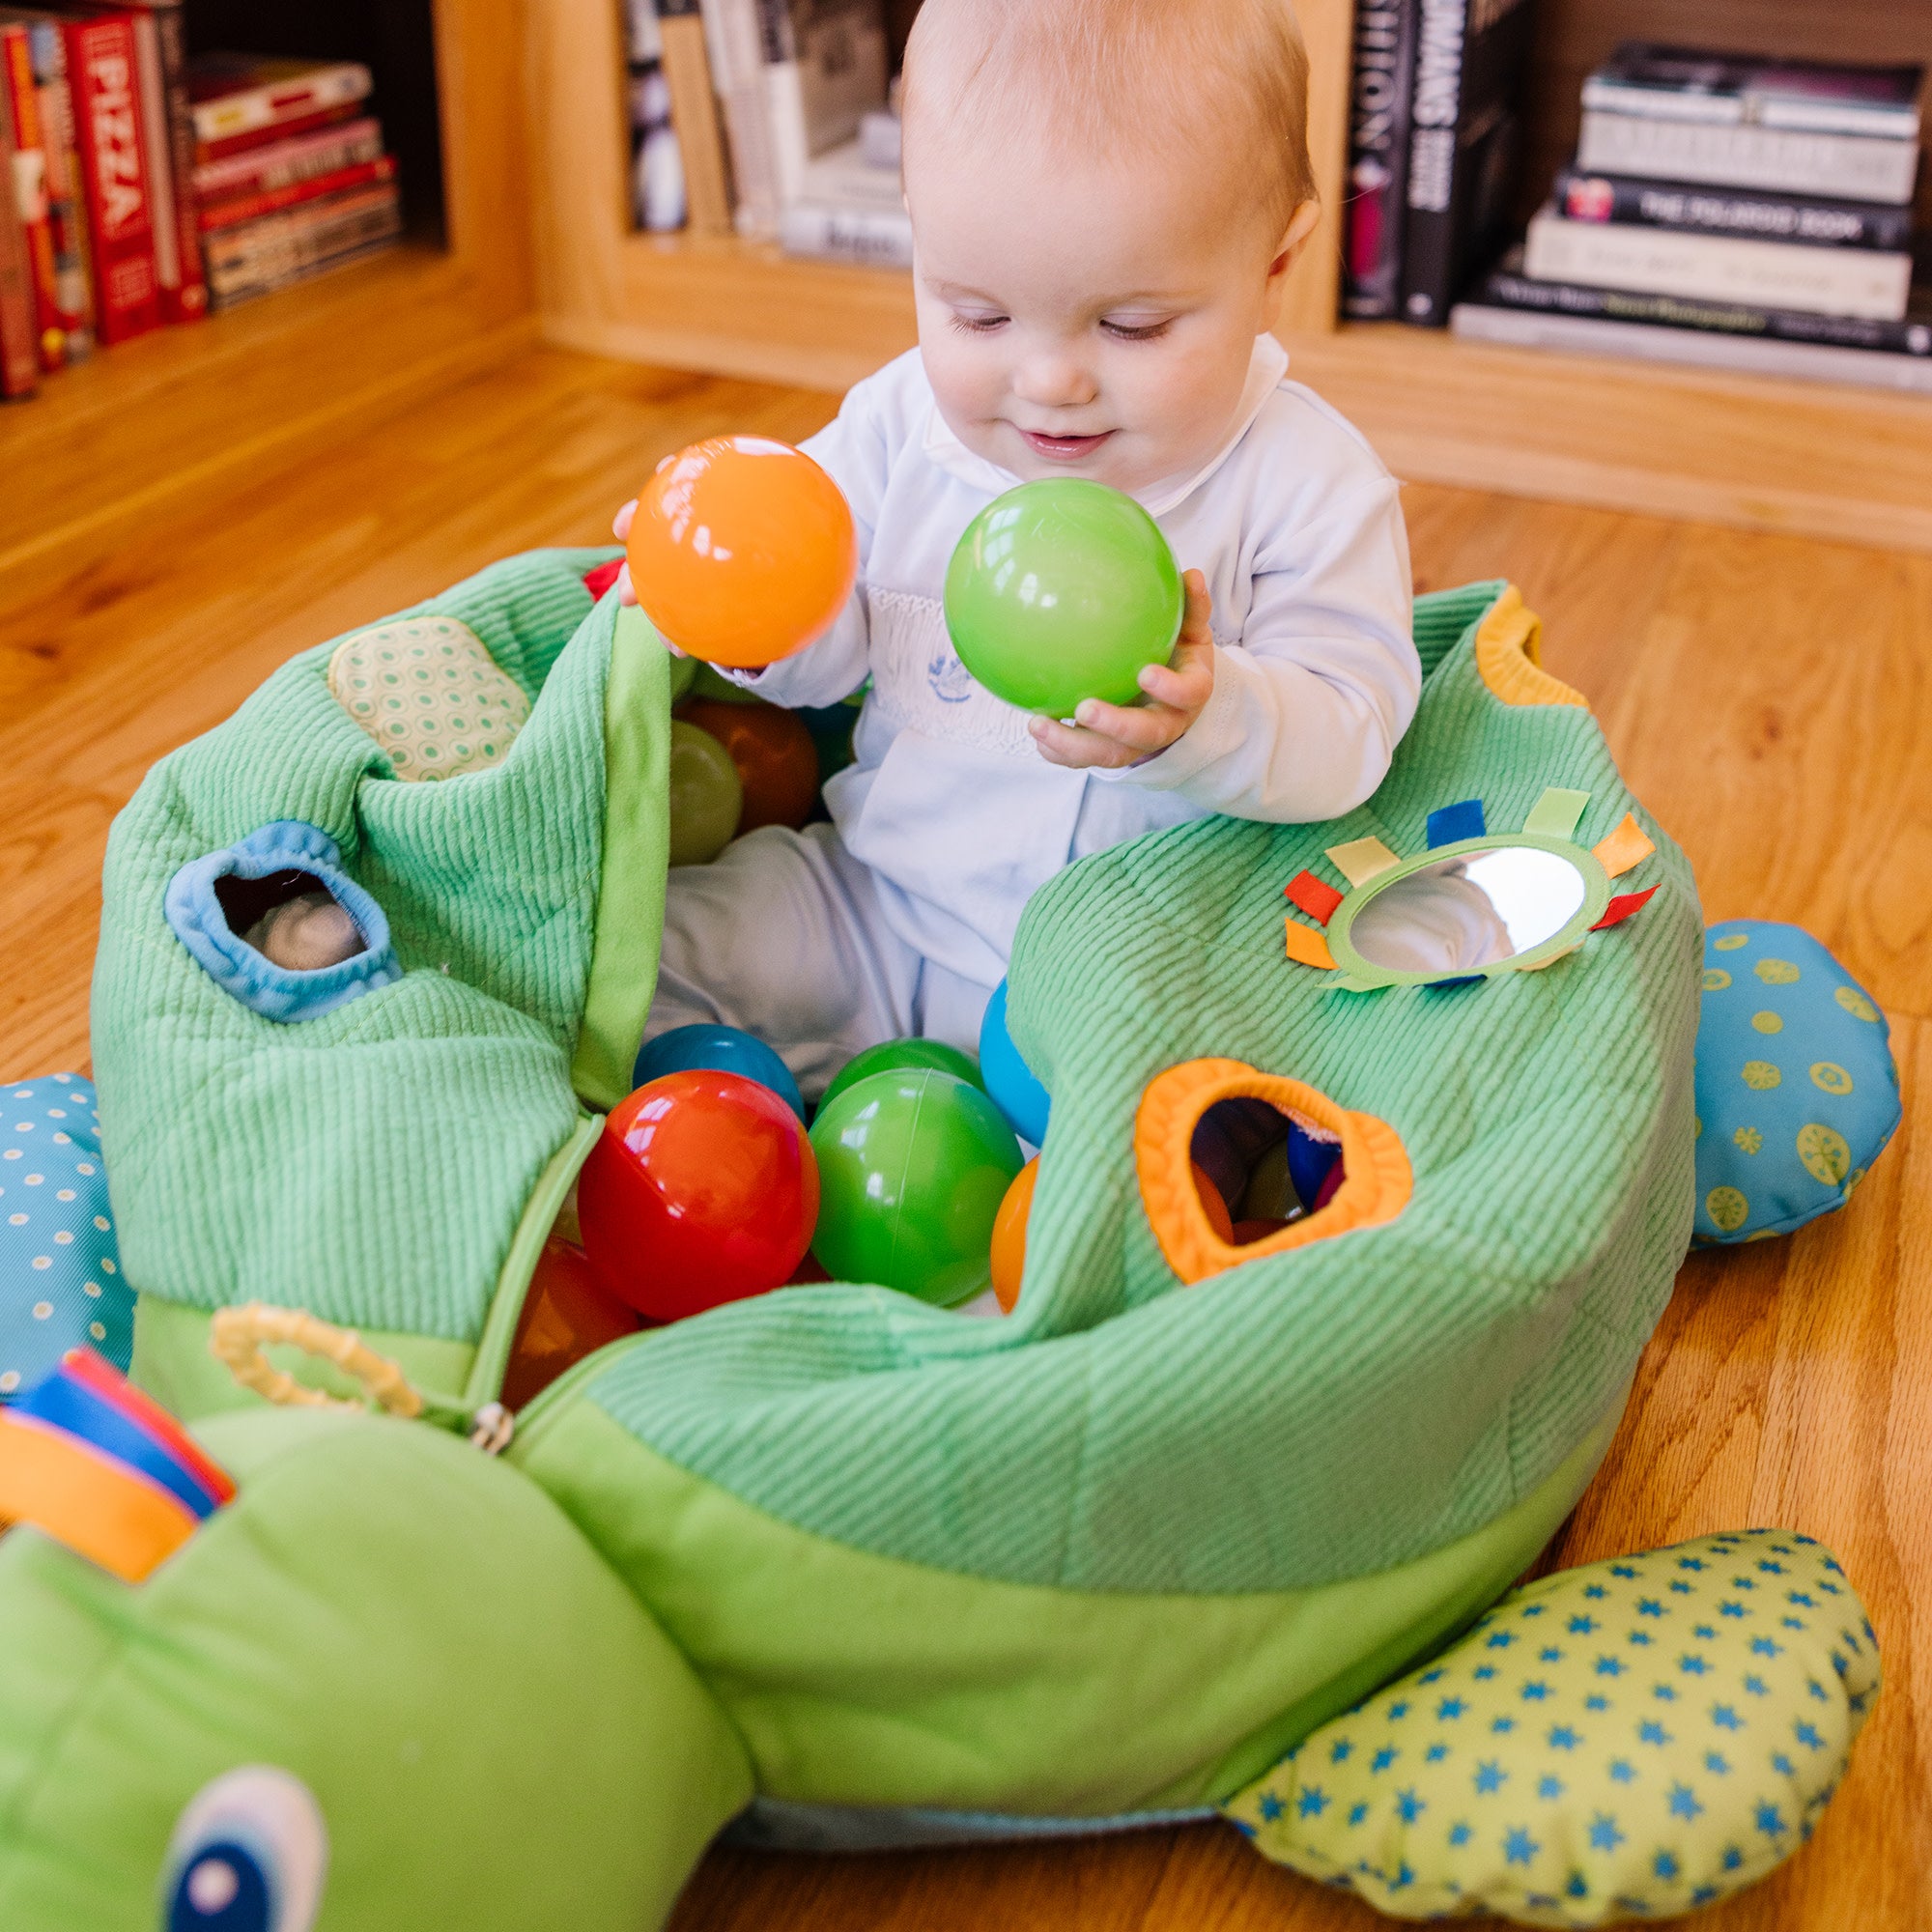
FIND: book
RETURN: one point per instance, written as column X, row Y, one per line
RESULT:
column 1716, row 267
column 1790, row 161
column 1735, row 212
column 1375, row 197
column 295, row 158
column 103, row 74
column 67, row 221
column 1906, row 367
column 1506, row 286
column 694, row 116
column 27, row 177
column 657, row 158
column 226, row 210
column 848, row 209
column 258, row 257
column 1729, row 90
column 20, row 347
column 237, row 94
column 160, row 36
column 261, row 137
column 1471, row 60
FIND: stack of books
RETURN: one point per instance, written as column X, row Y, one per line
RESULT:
column 97, row 239
column 289, row 171
column 1734, row 211
column 784, row 120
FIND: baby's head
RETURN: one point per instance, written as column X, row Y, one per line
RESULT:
column 1105, row 197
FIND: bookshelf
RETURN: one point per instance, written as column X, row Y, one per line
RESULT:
column 1846, row 464
column 138, row 430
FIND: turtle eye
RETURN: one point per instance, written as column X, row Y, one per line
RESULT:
column 248, row 1853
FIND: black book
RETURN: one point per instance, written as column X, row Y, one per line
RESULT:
column 1507, row 287
column 1471, row 60
column 1739, row 213
column 1374, row 201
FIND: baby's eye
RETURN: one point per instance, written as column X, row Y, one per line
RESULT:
column 1136, row 331
column 970, row 324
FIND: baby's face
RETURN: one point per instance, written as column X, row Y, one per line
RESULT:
column 1088, row 318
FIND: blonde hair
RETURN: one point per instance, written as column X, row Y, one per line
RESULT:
column 1126, row 72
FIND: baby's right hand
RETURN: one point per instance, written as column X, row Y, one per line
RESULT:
column 620, row 528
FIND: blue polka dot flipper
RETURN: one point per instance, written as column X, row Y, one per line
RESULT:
column 60, row 1266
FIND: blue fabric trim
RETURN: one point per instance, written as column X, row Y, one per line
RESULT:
column 1452, row 823
column 777, row 1824
column 290, row 844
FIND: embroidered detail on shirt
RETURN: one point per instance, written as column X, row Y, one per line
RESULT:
column 920, row 685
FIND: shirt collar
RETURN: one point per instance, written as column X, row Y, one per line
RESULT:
column 1267, row 366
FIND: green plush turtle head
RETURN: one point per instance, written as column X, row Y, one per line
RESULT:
column 389, row 1684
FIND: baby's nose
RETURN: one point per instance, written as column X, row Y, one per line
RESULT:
column 1055, row 381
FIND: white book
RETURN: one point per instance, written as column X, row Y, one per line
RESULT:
column 1650, row 342
column 845, row 179
column 1749, row 155
column 881, row 237
column 1862, row 282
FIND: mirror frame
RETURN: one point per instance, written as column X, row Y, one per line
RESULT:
column 1361, row 975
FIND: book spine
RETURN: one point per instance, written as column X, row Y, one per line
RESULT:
column 298, row 240
column 1731, row 211
column 74, row 280
column 233, row 209
column 19, row 352
column 879, row 240
column 103, row 72
column 278, row 104
column 1866, row 120
column 1376, row 200
column 1470, row 62
column 694, row 116
column 732, row 28
column 186, row 299
column 1503, row 288
column 283, row 163
column 286, row 275
column 1718, row 268
column 1750, row 156
column 29, row 186
column 206, row 153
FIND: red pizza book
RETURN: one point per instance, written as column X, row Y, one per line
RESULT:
column 170, row 126
column 229, row 210
column 105, row 75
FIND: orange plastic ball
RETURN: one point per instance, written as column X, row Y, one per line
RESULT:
column 776, row 760
column 743, row 550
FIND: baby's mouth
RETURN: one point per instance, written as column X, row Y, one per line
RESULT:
column 1064, row 448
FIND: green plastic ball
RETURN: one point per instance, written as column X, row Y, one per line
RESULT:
column 893, row 1054
column 706, row 796
column 1060, row 590
column 913, row 1164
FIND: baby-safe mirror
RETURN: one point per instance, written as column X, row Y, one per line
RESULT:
column 1466, row 913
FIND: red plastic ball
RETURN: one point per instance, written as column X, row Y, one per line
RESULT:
column 776, row 759
column 702, row 1189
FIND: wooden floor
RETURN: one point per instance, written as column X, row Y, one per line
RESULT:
column 1769, row 698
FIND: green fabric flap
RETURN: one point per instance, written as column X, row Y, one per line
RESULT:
column 1335, row 1411
column 856, row 1679
column 373, row 1165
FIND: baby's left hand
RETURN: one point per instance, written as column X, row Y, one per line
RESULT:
column 1114, row 735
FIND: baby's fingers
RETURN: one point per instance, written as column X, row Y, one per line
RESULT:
column 1145, row 727
column 1199, row 609
column 620, row 523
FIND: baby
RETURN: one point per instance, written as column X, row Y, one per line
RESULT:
column 1106, row 198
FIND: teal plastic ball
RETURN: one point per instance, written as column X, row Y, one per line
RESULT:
column 913, row 1164
column 1060, row 590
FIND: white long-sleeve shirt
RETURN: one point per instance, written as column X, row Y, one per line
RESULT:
column 1298, row 528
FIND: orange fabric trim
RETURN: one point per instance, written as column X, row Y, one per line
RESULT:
column 1509, row 651
column 1307, row 948
column 1376, row 1178
column 1625, row 848
column 98, row 1508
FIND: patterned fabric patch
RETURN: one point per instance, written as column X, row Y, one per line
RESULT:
column 60, row 1264
column 1796, row 1094
column 429, row 692
column 1625, row 1740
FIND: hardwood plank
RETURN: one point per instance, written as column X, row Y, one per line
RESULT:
column 1767, row 695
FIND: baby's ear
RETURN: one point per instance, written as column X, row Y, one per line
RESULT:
column 1301, row 226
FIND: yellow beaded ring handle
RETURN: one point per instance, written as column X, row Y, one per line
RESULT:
column 238, row 1336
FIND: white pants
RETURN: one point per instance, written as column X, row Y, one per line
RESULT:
column 783, row 937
